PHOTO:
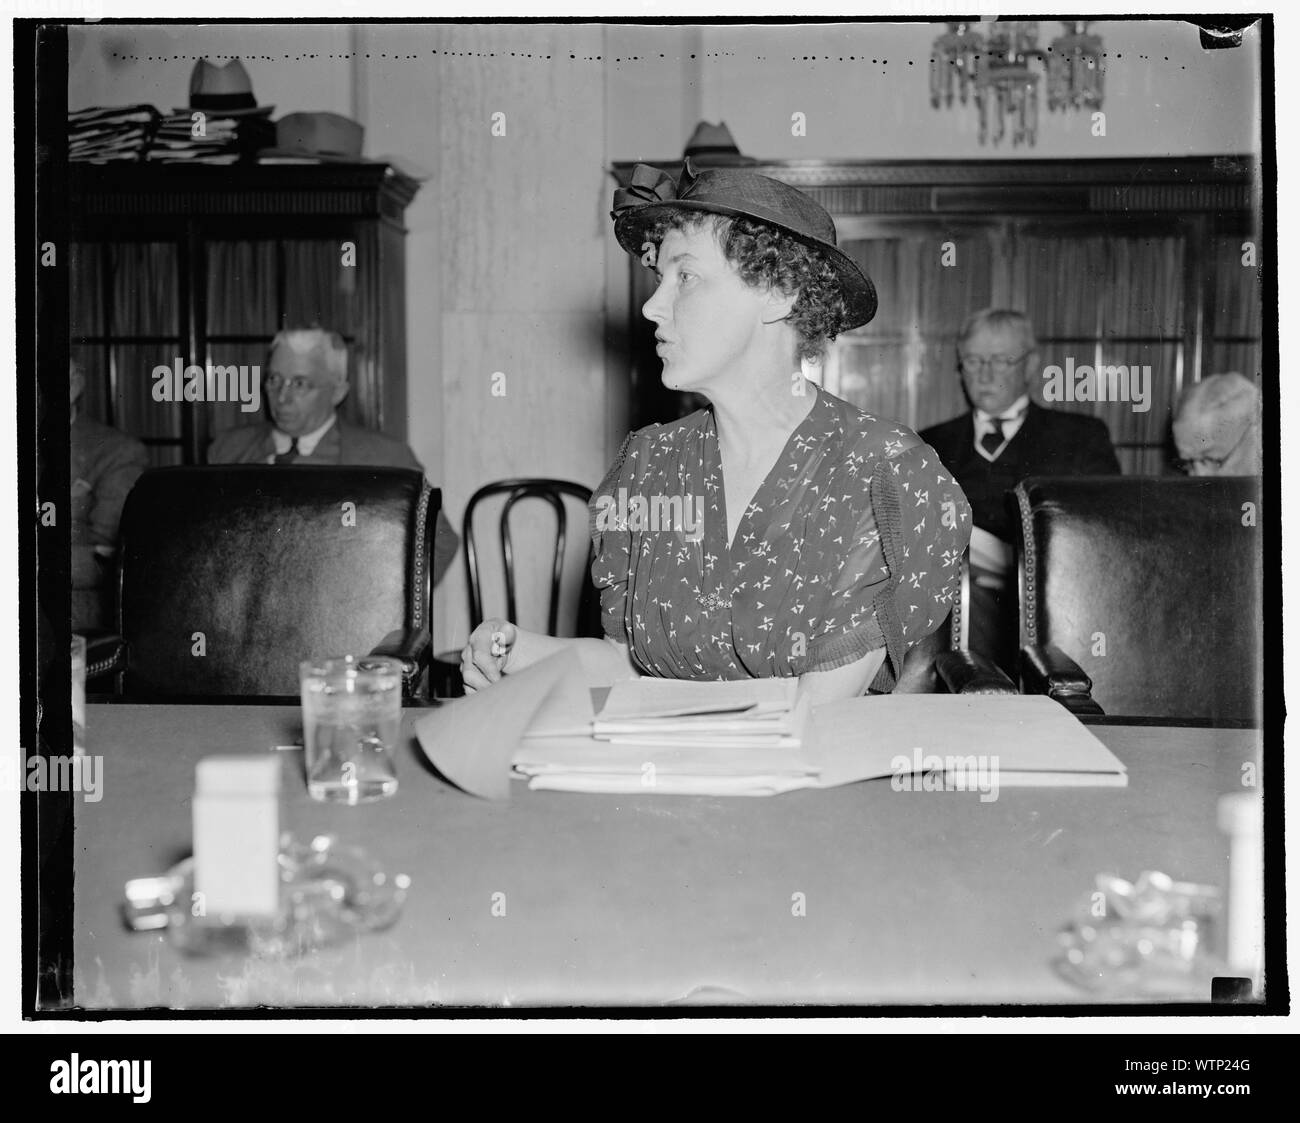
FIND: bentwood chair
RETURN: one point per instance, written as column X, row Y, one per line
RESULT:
column 1142, row 596
column 446, row 669
column 553, row 493
column 230, row 576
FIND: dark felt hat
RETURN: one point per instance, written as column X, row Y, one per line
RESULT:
column 651, row 195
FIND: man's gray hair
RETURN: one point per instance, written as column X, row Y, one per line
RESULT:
column 306, row 341
column 999, row 319
column 1231, row 394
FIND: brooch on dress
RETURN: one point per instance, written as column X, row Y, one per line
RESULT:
column 714, row 602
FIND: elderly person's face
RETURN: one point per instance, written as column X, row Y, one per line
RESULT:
column 301, row 390
column 994, row 367
column 709, row 320
column 1217, row 443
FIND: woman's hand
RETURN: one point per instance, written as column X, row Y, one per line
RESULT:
column 484, row 659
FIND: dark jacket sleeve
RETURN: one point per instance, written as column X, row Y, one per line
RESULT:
column 237, row 446
column 368, row 448
column 949, row 439
column 940, row 438
column 217, row 447
column 1096, row 453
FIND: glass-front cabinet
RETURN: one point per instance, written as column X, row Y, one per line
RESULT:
column 184, row 267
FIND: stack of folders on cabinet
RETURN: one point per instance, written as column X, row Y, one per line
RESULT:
column 102, row 134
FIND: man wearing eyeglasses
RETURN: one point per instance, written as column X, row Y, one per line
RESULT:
column 1004, row 438
column 306, row 380
column 1216, row 427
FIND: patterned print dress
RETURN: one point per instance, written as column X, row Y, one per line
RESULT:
column 852, row 543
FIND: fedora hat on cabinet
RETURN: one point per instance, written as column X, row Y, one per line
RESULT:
column 224, row 90
column 712, row 146
column 328, row 137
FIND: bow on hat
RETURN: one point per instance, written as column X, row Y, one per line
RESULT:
column 651, row 193
column 650, row 185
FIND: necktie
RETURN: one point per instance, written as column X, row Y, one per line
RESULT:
column 290, row 454
column 992, row 440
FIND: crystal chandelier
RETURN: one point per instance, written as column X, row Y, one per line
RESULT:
column 1002, row 71
column 1074, row 70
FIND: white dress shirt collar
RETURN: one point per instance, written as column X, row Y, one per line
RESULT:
column 306, row 443
column 1012, row 418
column 1015, row 412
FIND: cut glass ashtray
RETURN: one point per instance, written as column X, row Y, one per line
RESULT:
column 1151, row 939
column 329, row 893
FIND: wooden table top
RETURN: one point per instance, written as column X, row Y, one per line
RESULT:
column 907, row 897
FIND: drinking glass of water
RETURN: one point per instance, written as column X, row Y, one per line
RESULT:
column 351, row 711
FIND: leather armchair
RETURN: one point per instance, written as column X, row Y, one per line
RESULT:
column 1142, row 596
column 231, row 575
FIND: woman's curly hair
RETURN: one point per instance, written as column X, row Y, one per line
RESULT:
column 767, row 257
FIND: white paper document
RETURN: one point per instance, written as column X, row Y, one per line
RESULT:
column 652, row 699
column 736, row 715
column 477, row 742
column 1027, row 740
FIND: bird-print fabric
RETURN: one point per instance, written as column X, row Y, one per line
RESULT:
column 853, row 542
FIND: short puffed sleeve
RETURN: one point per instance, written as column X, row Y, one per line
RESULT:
column 901, row 573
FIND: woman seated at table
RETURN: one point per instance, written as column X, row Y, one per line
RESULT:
column 780, row 531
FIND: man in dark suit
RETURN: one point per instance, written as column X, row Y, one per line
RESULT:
column 306, row 380
column 1003, row 439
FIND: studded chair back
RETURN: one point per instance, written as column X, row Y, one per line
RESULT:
column 1151, row 587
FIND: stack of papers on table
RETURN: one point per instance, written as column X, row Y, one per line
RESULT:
column 656, row 711
column 759, row 737
column 665, row 736
column 587, row 765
